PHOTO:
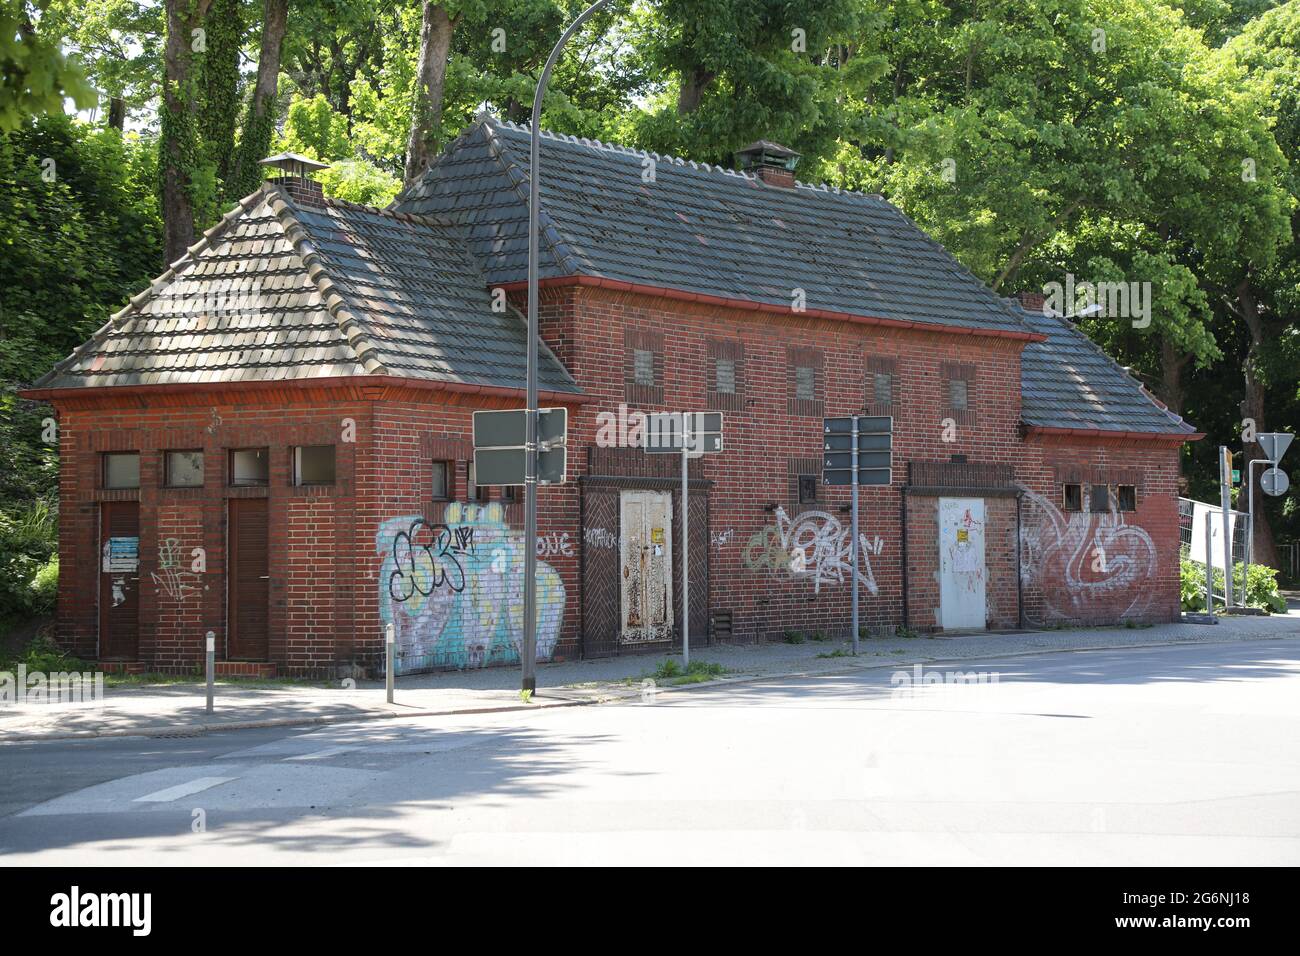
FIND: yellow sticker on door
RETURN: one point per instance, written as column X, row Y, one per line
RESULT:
column 657, row 535
column 962, row 536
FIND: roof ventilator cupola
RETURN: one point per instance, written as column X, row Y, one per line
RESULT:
column 771, row 162
column 293, row 179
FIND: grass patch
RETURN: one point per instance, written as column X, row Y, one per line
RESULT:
column 794, row 637
column 838, row 652
column 672, row 673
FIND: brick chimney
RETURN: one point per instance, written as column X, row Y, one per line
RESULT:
column 770, row 162
column 1031, row 301
column 294, row 180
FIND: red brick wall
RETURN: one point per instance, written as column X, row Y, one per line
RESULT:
column 332, row 552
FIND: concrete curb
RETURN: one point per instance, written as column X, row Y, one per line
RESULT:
column 633, row 691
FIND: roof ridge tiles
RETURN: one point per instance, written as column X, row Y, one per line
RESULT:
column 352, row 328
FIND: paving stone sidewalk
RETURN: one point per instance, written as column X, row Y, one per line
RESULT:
column 175, row 709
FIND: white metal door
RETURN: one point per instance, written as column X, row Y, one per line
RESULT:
column 962, row 573
column 646, row 559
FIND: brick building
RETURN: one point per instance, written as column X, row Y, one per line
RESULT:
column 272, row 442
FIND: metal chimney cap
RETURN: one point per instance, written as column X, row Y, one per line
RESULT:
column 293, row 164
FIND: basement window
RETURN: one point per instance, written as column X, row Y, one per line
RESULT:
column 183, row 469
column 882, row 388
column 1099, row 499
column 1072, row 498
column 313, row 465
column 1126, row 497
column 724, row 370
column 122, row 469
column 250, row 466
column 807, row 489
column 805, row 383
column 643, row 367
column 442, row 481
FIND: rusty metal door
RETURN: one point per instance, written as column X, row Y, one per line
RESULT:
column 119, row 580
column 646, row 566
column 962, row 572
column 248, row 586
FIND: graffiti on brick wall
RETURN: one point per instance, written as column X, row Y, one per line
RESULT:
column 555, row 544
column 1087, row 566
column 813, row 545
column 600, row 539
column 170, row 579
column 453, row 590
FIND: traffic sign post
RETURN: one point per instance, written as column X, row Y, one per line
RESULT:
column 857, row 450
column 514, row 447
column 1274, row 481
column 691, row 435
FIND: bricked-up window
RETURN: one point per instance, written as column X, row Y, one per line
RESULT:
column 958, row 395
column 1071, row 497
column 643, row 366
column 1099, row 499
column 313, row 465
column 442, row 481
column 183, row 469
column 122, row 469
column 1126, row 497
column 726, row 368
column 805, row 382
column 881, row 386
column 250, row 466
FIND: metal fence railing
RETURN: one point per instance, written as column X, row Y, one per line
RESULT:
column 1186, row 518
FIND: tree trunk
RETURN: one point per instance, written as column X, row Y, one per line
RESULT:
column 1173, row 363
column 694, row 82
column 217, row 80
column 431, row 76
column 259, row 120
column 178, row 144
column 1252, row 406
column 117, row 113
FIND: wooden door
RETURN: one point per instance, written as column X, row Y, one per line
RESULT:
column 248, row 583
column 119, row 580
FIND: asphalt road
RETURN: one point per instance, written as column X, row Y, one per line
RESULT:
column 1176, row 755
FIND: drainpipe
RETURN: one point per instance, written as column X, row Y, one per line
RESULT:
column 1020, row 584
column 902, row 508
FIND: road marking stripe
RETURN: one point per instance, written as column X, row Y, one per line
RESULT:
column 183, row 790
column 320, row 754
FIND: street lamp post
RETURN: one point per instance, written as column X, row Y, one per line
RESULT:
column 529, row 650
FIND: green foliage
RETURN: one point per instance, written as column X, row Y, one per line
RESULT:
column 218, row 84
column 697, row 672
column 794, row 637
column 35, row 76
column 356, row 180
column 43, row 655
column 314, row 128
column 1261, row 586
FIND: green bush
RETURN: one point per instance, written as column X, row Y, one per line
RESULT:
column 45, row 586
column 1261, row 586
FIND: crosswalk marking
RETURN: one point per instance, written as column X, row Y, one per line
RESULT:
column 183, row 790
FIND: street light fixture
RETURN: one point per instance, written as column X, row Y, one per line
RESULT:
column 529, row 650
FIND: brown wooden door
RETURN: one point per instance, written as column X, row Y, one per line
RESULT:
column 249, row 581
column 119, row 580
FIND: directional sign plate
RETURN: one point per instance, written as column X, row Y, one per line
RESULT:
column 505, row 466
column 507, row 429
column 663, row 432
column 1274, row 481
column 874, row 451
column 1274, row 444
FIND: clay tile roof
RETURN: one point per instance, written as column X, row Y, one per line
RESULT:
column 697, row 228
column 280, row 290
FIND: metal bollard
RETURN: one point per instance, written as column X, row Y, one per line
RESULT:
column 212, row 665
column 1209, row 569
column 389, row 647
